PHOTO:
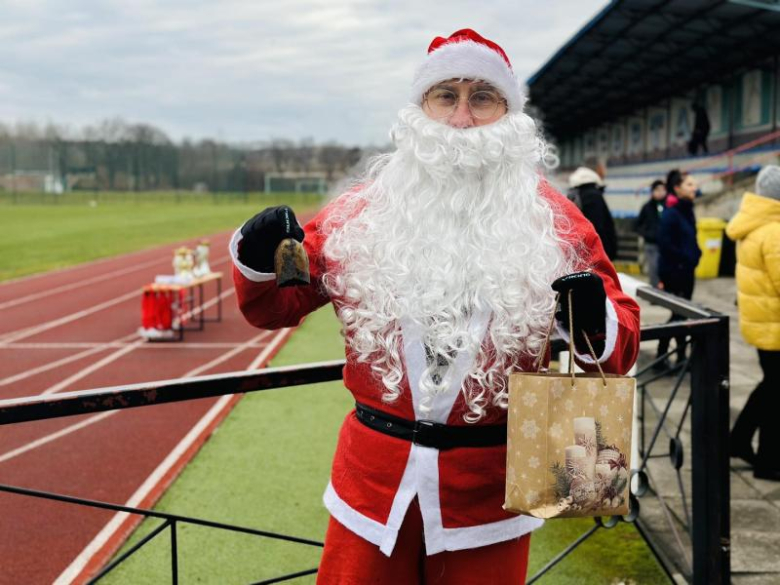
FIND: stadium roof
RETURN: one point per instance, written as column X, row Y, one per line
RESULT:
column 635, row 53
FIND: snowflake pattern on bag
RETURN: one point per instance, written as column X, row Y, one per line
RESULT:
column 580, row 465
column 529, row 399
column 623, row 390
column 530, row 429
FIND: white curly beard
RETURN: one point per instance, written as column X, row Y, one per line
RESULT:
column 449, row 224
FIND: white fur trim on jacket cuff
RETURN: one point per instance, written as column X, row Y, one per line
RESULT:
column 250, row 274
column 609, row 342
column 468, row 60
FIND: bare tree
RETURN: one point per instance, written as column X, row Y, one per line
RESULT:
column 304, row 155
column 281, row 150
column 115, row 154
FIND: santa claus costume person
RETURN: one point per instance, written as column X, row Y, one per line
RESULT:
column 442, row 264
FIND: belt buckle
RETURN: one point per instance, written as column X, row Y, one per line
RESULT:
column 420, row 434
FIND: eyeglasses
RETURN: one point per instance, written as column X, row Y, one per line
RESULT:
column 443, row 102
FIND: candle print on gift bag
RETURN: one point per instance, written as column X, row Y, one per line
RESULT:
column 568, row 444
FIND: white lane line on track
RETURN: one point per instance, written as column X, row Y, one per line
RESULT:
column 210, row 303
column 35, row 329
column 124, row 348
column 54, row 436
column 12, row 336
column 100, row 416
column 84, row 372
column 117, row 344
column 66, row 360
column 75, row 267
column 260, row 359
column 97, row 348
column 78, row 564
column 74, row 285
column 227, row 355
column 98, row 261
column 93, row 280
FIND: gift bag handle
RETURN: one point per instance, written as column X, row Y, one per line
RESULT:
column 571, row 342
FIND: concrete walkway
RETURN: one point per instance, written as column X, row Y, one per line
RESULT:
column 755, row 504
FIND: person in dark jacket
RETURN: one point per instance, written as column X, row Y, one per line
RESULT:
column 673, row 178
column 647, row 226
column 701, row 130
column 586, row 189
column 679, row 251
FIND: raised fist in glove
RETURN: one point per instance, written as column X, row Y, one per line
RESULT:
column 588, row 307
column 262, row 235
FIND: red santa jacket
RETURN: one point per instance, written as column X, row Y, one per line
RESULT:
column 375, row 476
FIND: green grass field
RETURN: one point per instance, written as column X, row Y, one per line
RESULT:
column 38, row 238
column 268, row 463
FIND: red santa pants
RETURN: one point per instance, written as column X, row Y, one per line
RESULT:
column 349, row 559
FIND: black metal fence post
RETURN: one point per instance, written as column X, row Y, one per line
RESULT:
column 710, row 452
column 174, row 556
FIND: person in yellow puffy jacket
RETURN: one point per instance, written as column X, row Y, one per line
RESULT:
column 756, row 229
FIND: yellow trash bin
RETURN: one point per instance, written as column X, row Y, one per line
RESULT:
column 709, row 234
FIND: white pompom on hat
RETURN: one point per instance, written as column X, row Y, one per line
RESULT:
column 768, row 182
column 467, row 55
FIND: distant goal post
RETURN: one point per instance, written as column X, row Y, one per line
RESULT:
column 286, row 183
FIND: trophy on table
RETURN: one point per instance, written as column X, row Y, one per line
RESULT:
column 183, row 263
column 202, row 267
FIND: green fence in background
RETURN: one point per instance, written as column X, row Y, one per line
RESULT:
column 95, row 198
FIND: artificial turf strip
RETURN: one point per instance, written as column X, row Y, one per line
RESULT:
column 39, row 238
column 267, row 466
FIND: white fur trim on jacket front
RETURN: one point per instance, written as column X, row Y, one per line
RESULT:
column 421, row 475
column 468, row 60
column 421, row 479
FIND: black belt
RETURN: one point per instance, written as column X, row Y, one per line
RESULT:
column 431, row 434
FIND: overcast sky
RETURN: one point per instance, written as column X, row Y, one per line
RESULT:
column 247, row 70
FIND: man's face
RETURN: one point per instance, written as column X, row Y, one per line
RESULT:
column 464, row 103
column 659, row 192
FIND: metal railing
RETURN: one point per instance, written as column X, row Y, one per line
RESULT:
column 729, row 155
column 19, row 410
column 735, row 171
column 705, row 413
column 702, row 555
column 170, row 521
column 705, row 520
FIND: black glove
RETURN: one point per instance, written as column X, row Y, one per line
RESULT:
column 262, row 235
column 588, row 308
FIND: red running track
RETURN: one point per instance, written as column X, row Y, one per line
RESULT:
column 75, row 329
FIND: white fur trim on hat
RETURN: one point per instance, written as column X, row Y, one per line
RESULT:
column 468, row 60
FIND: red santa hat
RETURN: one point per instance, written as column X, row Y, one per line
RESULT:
column 467, row 55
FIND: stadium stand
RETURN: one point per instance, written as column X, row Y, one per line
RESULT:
column 633, row 84
column 623, row 89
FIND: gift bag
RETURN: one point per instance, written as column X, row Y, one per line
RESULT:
column 568, row 441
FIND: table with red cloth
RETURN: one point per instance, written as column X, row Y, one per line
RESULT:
column 168, row 309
